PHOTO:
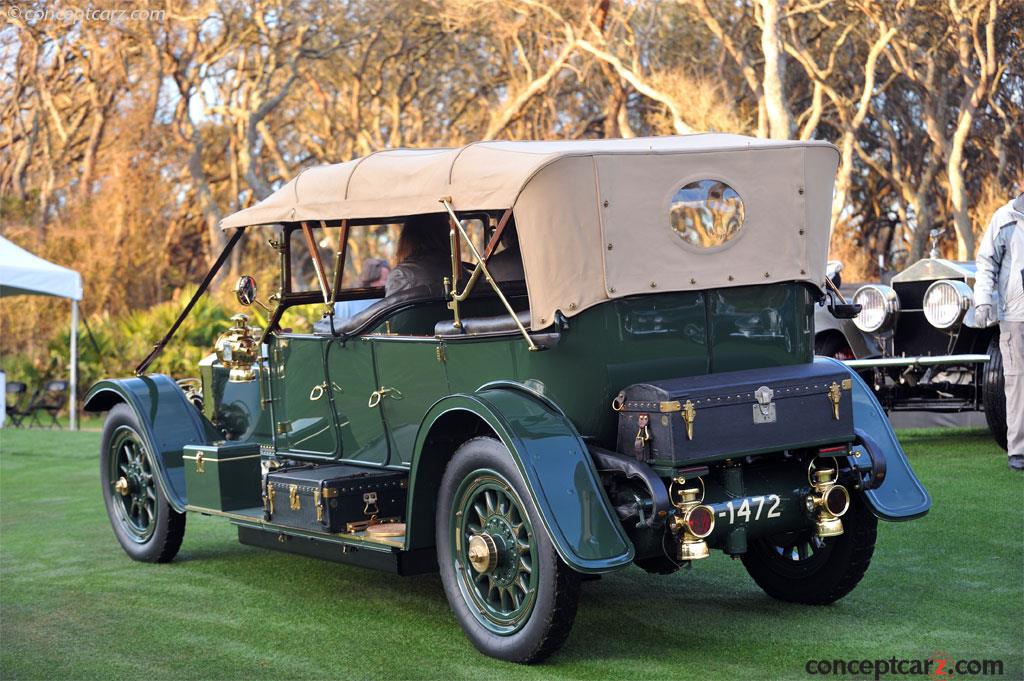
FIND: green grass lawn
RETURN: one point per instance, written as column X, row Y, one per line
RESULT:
column 73, row 606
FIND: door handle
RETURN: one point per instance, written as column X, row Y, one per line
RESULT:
column 377, row 395
column 318, row 390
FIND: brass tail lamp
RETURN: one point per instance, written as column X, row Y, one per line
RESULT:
column 693, row 521
column 828, row 501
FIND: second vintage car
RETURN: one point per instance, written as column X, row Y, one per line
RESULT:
column 915, row 343
column 588, row 355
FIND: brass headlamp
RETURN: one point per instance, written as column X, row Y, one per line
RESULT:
column 238, row 350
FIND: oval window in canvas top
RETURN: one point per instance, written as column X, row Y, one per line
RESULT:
column 706, row 213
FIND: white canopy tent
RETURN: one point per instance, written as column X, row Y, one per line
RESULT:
column 22, row 273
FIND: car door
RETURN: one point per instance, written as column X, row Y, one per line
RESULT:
column 303, row 416
column 353, row 379
column 411, row 377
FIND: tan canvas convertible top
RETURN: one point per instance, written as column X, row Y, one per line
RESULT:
column 593, row 215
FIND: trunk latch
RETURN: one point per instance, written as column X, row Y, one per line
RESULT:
column 764, row 410
column 834, row 395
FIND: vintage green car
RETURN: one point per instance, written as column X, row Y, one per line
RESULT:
column 607, row 358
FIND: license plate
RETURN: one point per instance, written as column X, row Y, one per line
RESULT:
column 749, row 509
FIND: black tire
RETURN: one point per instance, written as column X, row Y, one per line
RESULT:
column 545, row 623
column 833, row 345
column 145, row 525
column 993, row 392
column 830, row 569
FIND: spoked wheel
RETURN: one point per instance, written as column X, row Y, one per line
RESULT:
column 144, row 523
column 135, row 498
column 499, row 550
column 797, row 554
column 799, row 567
column 512, row 594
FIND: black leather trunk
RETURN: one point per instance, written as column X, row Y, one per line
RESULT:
column 327, row 498
column 719, row 416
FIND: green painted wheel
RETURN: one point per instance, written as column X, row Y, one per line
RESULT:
column 505, row 582
column 494, row 551
column 143, row 521
column 134, row 492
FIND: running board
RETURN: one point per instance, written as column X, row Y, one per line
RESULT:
column 415, row 562
column 254, row 517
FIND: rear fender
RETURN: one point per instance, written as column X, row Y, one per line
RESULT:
column 552, row 458
column 169, row 422
column 899, row 495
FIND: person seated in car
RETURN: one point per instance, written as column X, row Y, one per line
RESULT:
column 507, row 264
column 424, row 256
column 373, row 274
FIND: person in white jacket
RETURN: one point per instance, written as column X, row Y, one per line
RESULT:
column 999, row 296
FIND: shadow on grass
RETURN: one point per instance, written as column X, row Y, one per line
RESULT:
column 626, row 616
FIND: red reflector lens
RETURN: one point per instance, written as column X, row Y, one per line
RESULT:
column 830, row 450
column 701, row 521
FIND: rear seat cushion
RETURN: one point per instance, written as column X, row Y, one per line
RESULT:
column 475, row 326
column 346, row 327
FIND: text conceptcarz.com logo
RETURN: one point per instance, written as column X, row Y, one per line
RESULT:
column 935, row 667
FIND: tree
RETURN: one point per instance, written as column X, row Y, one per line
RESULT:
column 123, row 143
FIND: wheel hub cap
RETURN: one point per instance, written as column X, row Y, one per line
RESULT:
column 121, row 486
column 483, row 552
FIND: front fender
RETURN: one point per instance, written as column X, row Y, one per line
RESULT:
column 900, row 496
column 169, row 422
column 861, row 344
column 552, row 458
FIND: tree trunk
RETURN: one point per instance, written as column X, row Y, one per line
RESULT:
column 99, row 122
column 216, row 240
column 958, row 193
column 21, row 165
column 923, row 215
column 923, row 210
column 780, row 121
column 843, row 174
column 969, row 47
